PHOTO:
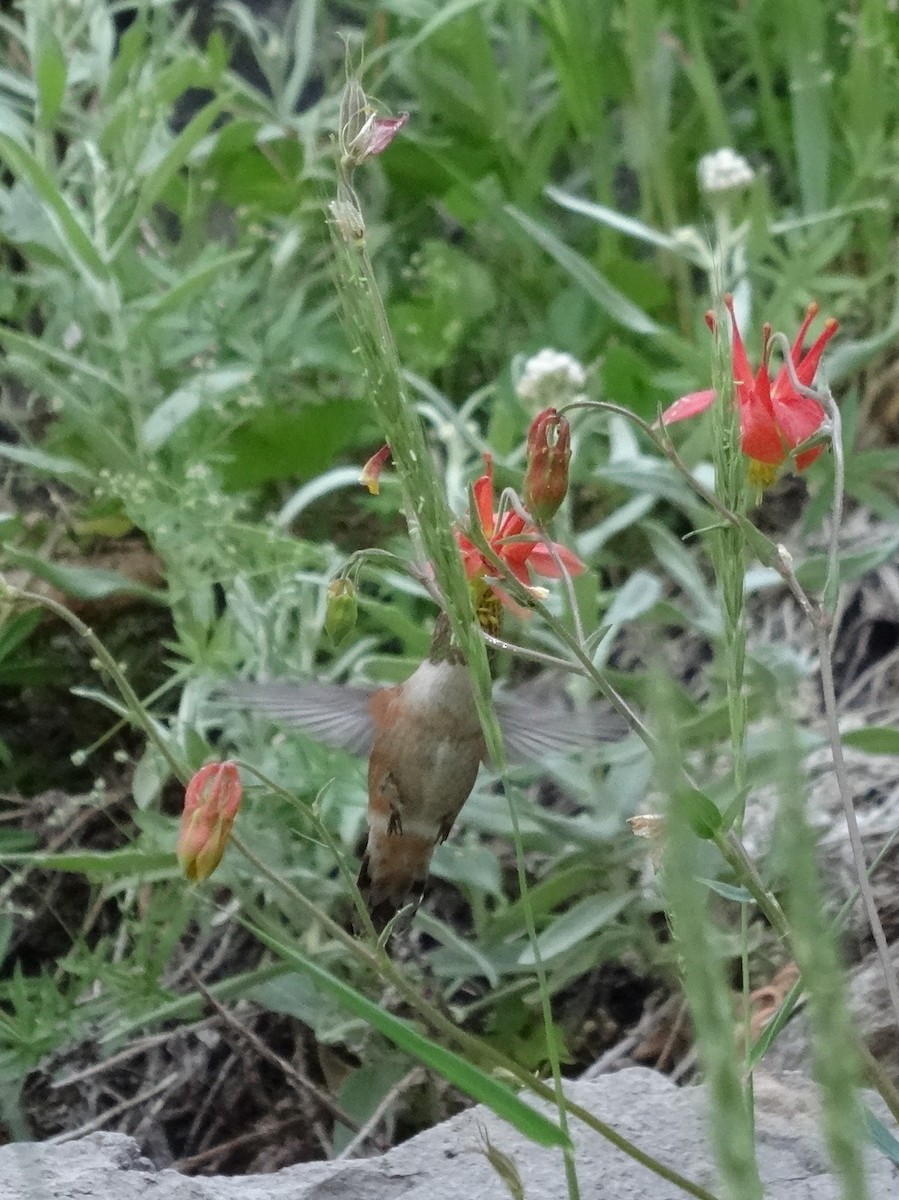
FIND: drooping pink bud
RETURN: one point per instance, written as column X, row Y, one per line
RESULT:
column 211, row 802
column 381, row 132
column 549, row 453
column 371, row 472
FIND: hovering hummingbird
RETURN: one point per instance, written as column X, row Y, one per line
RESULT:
column 424, row 744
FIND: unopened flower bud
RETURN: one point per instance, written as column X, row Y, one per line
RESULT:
column 371, row 472
column 211, row 802
column 549, row 453
column 341, row 610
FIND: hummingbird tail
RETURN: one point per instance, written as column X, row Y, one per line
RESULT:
column 393, row 873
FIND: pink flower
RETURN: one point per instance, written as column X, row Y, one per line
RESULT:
column 211, row 802
column 513, row 540
column 381, row 131
column 774, row 417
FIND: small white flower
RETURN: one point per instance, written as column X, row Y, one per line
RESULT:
column 724, row 171
column 550, row 378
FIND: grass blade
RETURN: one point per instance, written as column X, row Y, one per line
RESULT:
column 462, row 1074
column 610, row 300
column 836, row 1066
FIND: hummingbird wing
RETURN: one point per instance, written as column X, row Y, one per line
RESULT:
column 330, row 713
column 532, row 731
column 340, row 717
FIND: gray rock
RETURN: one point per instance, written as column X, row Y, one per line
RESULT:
column 872, row 1012
column 446, row 1163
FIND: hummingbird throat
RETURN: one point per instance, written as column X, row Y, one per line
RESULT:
column 489, row 612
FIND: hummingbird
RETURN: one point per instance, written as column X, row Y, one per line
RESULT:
column 424, row 744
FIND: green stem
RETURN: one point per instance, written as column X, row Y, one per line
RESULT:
column 430, row 525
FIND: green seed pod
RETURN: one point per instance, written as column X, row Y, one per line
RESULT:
column 341, row 611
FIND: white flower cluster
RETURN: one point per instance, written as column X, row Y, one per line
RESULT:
column 550, row 378
column 724, row 171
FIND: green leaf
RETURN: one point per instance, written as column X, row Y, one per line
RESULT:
column 703, row 815
column 82, row 583
column 294, row 995
column 194, row 282
column 150, row 776
column 876, row 739
column 97, row 864
column 50, row 75
column 50, row 464
column 171, row 162
column 773, row 1028
column 456, row 1070
column 297, row 442
column 580, row 922
column 803, row 33
column 475, row 867
column 303, row 15
column 812, row 574
column 16, row 630
column 624, row 224
column 364, row 1089
column 882, row 1138
column 609, row 299
column 479, row 964
column 23, row 164
column 728, row 891
column 636, row 596
column 182, row 404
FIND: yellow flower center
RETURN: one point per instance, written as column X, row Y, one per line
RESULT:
column 761, row 475
column 488, row 607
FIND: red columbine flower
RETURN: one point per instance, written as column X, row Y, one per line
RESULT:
column 211, row 803
column 513, row 539
column 774, row 417
column 549, row 453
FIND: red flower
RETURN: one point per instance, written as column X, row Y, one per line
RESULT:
column 774, row 417
column 549, row 453
column 211, row 803
column 513, row 540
